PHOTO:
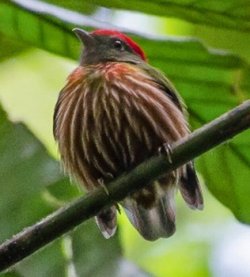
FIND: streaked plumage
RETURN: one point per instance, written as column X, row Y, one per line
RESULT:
column 114, row 112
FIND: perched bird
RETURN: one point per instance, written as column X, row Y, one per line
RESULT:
column 114, row 112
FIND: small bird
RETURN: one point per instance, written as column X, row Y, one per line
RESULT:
column 114, row 112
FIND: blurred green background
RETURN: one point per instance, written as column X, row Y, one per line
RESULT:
column 31, row 79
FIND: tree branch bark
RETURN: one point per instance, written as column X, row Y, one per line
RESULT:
column 80, row 210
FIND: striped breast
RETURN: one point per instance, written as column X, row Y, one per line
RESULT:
column 111, row 117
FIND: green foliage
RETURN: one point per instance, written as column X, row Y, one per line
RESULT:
column 228, row 14
column 11, row 47
column 25, row 170
column 228, row 181
column 28, row 176
column 210, row 81
column 36, row 29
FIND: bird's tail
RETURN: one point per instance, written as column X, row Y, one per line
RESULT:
column 159, row 220
column 154, row 222
column 107, row 222
column 190, row 188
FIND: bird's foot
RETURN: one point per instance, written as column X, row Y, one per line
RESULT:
column 102, row 184
column 166, row 149
column 109, row 176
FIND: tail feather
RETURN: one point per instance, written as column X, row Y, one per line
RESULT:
column 106, row 221
column 157, row 220
column 190, row 188
column 153, row 223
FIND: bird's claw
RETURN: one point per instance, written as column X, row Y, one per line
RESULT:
column 101, row 183
column 109, row 176
column 166, row 149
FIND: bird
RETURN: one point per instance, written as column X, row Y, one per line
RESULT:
column 114, row 112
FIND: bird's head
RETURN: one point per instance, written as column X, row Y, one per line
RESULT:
column 108, row 45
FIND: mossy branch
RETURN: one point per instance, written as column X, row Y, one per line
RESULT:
column 210, row 135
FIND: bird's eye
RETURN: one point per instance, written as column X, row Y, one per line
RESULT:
column 118, row 45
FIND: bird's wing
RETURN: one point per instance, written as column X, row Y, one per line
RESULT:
column 189, row 184
column 165, row 85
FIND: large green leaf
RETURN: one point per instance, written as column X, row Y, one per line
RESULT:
column 227, row 175
column 25, row 170
column 9, row 47
column 231, row 14
column 95, row 256
column 86, row 7
column 28, row 174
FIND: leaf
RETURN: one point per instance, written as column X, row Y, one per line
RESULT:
column 10, row 274
column 26, row 172
column 196, row 70
column 50, row 261
column 95, row 256
column 20, row 24
column 227, row 175
column 9, row 47
column 231, row 14
column 81, row 6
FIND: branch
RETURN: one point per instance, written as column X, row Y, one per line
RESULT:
column 80, row 210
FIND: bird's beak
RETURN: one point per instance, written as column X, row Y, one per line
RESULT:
column 85, row 37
